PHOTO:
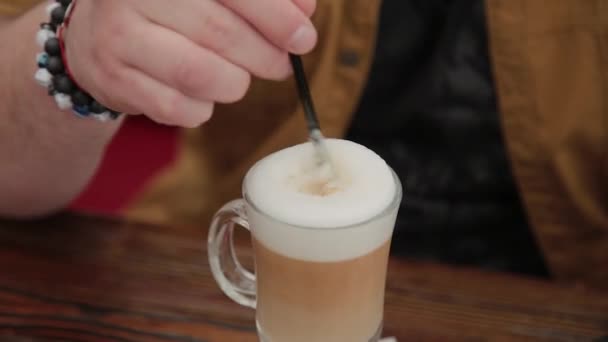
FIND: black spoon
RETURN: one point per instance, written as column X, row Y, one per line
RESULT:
column 312, row 122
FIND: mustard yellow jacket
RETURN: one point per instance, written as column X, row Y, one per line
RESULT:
column 550, row 61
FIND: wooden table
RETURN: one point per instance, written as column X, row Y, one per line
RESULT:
column 88, row 279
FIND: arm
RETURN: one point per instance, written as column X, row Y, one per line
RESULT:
column 47, row 155
column 135, row 57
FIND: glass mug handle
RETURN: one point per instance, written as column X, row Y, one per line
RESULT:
column 236, row 282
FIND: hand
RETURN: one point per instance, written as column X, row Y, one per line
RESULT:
column 172, row 60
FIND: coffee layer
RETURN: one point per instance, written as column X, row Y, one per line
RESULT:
column 302, row 301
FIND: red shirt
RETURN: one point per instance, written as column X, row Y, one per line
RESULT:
column 138, row 152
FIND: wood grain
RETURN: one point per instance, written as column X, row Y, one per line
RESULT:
column 90, row 279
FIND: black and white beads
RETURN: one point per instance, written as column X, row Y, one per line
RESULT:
column 52, row 73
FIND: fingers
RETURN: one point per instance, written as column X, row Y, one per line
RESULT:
column 172, row 59
column 306, row 6
column 213, row 26
column 159, row 102
column 282, row 22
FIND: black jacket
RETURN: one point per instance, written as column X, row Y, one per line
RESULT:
column 430, row 110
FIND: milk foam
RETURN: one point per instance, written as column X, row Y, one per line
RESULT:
column 290, row 192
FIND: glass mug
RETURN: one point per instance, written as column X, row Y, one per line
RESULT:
column 330, row 297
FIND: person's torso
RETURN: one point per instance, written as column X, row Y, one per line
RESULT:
column 10, row 8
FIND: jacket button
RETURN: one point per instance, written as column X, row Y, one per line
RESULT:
column 349, row 58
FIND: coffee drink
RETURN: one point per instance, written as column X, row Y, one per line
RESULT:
column 321, row 242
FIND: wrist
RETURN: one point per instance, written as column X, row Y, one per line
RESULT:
column 25, row 101
column 53, row 70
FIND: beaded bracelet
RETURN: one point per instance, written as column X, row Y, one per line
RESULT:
column 53, row 72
